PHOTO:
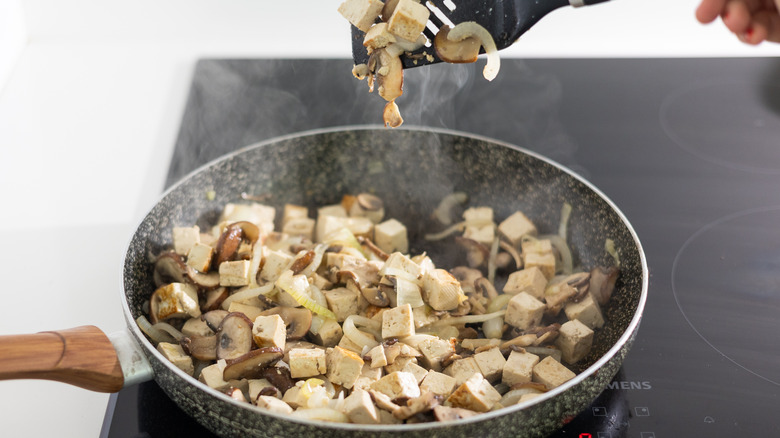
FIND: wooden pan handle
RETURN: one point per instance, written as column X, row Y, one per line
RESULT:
column 81, row 356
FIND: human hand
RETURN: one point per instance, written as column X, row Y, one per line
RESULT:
column 752, row 21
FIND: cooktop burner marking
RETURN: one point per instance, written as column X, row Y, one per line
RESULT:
column 726, row 282
column 710, row 121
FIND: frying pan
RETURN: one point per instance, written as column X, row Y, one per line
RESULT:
column 411, row 170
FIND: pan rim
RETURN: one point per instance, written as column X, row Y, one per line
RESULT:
column 625, row 337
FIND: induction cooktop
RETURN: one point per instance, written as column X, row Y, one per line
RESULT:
column 689, row 150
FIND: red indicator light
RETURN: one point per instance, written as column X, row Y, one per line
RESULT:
column 586, row 435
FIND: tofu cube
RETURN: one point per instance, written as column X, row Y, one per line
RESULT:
column 397, row 385
column 261, row 215
column 417, row 371
column 175, row 353
column 273, row 404
column 398, row 322
column 438, row 383
column 368, row 376
column 530, row 280
column 212, row 376
column 544, row 261
column 441, row 290
column 269, row 331
column 307, row 362
column 462, row 370
column 408, row 20
column 551, row 373
column 360, row 408
column 342, row 302
column 259, row 387
column 303, row 227
column 361, row 13
column 574, row 340
column 184, row 238
column 174, row 300
column 343, row 366
column 391, row 236
column 292, row 211
column 484, row 235
column 476, row 394
column 399, row 364
column 234, row 273
column 358, row 226
column 491, row 363
column 325, row 331
column 479, row 216
column 515, row 227
column 274, row 263
column 587, row 311
column 377, row 356
column 434, row 351
column 519, row 368
column 524, row 311
column 199, row 257
column 400, row 262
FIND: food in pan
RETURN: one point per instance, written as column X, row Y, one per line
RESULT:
column 333, row 319
column 394, row 28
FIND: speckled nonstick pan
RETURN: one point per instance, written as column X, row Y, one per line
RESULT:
column 411, row 170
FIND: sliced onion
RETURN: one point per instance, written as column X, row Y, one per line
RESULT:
column 316, row 295
column 248, row 293
column 171, row 330
column 254, row 263
column 400, row 273
column 492, row 261
column 321, row 414
column 297, row 289
column 467, row 29
column 567, row 264
column 458, row 227
column 467, row 319
column 443, row 212
column 155, row 335
column 565, row 214
column 493, row 328
column 609, row 245
column 355, row 335
column 498, row 303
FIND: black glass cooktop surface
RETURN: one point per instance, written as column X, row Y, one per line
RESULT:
column 689, row 149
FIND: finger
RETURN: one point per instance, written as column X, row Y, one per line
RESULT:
column 737, row 17
column 709, row 10
column 769, row 22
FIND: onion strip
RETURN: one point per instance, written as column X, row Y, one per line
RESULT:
column 287, row 284
column 609, row 245
column 446, row 232
column 355, row 335
column 155, row 334
column 171, row 330
column 491, row 267
column 467, row 29
column 248, row 293
column 466, row 319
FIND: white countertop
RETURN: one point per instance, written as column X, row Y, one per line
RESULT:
column 90, row 111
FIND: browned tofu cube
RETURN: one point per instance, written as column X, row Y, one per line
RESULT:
column 551, row 373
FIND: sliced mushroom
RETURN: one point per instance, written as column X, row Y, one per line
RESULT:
column 389, row 74
column 206, row 281
column 213, row 318
column 296, row 319
column 302, row 261
column 169, row 268
column 372, row 248
column 234, row 336
column 200, row 347
column 417, row 405
column 477, row 254
column 252, row 364
column 466, row 276
column 458, row 52
column 369, row 202
column 486, row 288
column 602, row 283
column 447, row 413
column 517, row 391
column 214, row 299
column 236, row 394
column 230, row 240
column 580, row 281
column 391, row 115
column 279, row 377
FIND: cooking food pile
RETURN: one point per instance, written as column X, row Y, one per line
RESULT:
column 394, row 28
column 332, row 319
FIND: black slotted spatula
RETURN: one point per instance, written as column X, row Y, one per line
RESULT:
column 505, row 20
